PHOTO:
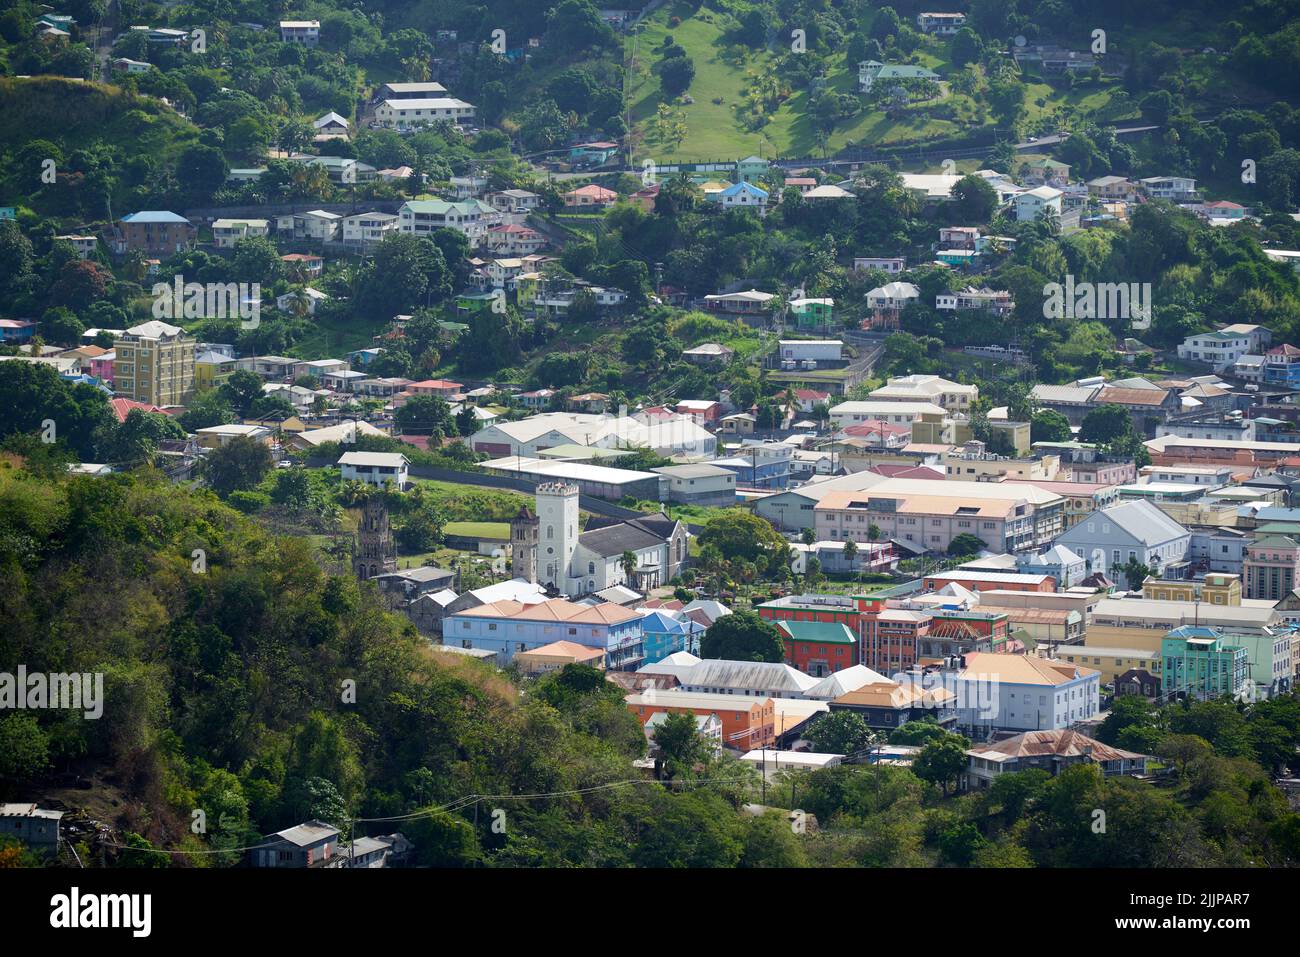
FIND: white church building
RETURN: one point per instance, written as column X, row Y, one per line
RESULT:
column 548, row 547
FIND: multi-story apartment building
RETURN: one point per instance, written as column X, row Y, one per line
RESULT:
column 471, row 217
column 1201, row 662
column 1223, row 348
column 406, row 114
column 508, row 627
column 154, row 232
column 1024, row 693
column 931, row 519
column 154, row 363
column 1272, row 567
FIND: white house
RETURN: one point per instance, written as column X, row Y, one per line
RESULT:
column 999, row 301
column 1030, row 204
column 1223, row 348
column 317, row 224
column 892, row 295
column 403, row 114
column 84, row 245
column 1174, row 188
column 368, row 228
column 743, row 196
column 472, row 217
column 889, row 264
column 227, row 232
column 940, row 24
column 312, row 297
column 375, row 468
column 306, row 32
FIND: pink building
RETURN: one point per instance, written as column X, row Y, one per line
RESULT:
column 1272, row 567
column 440, row 387
column 702, row 411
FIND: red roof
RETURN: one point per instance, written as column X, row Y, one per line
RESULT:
column 1284, row 350
column 441, row 384
column 122, row 407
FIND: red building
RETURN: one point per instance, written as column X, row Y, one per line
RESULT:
column 889, row 638
column 818, row 648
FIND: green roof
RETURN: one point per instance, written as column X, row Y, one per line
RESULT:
column 1270, row 528
column 1273, row 541
column 826, row 633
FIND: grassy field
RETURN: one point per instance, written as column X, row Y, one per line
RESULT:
column 478, row 529
column 715, row 132
column 333, row 338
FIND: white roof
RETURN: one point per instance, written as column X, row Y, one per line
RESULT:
column 392, row 460
column 578, row 471
column 429, row 103
column 807, row 759
column 153, row 329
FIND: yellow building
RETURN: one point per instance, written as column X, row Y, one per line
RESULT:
column 154, row 363
column 1017, row 433
column 212, row 369
column 970, row 467
column 1217, row 589
column 526, row 288
column 1112, row 662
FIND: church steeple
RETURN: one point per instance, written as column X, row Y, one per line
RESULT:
column 375, row 553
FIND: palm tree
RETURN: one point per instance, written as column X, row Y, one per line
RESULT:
column 850, row 551
column 628, row 563
column 808, row 536
column 299, row 303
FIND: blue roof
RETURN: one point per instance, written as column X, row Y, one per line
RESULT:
column 154, row 216
column 744, row 188
column 656, row 621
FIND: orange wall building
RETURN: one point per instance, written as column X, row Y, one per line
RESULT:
column 747, row 723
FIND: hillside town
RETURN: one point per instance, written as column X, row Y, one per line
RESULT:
column 595, row 438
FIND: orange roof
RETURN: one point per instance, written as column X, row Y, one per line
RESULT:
column 1022, row 669
column 554, row 609
column 591, row 189
column 890, row 694
column 1131, row 396
column 564, row 649
column 435, row 384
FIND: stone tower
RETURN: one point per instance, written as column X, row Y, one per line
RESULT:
column 374, row 553
column 557, row 532
column 523, row 544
